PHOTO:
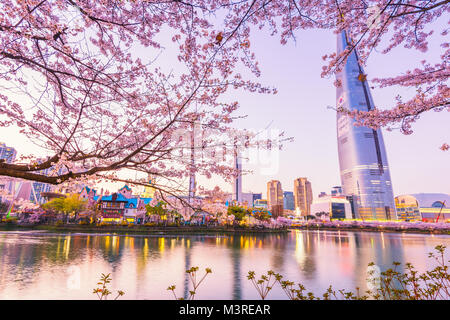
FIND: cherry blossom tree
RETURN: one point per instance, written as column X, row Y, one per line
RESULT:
column 86, row 80
column 82, row 81
column 384, row 25
column 372, row 25
column 25, row 205
column 216, row 195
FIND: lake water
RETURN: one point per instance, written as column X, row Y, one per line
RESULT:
column 42, row 265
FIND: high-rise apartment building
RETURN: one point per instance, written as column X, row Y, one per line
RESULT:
column 275, row 197
column 303, row 196
column 363, row 163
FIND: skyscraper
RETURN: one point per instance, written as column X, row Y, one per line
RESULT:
column 303, row 196
column 237, row 186
column 362, row 157
column 275, row 197
column 288, row 200
column 192, row 183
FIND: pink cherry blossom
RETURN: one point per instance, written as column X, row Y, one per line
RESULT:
column 84, row 81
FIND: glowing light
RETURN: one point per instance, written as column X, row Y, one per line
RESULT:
column 66, row 246
column 161, row 244
column 107, row 240
column 145, row 248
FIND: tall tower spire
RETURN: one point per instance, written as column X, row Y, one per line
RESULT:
column 362, row 156
column 237, row 187
column 191, row 194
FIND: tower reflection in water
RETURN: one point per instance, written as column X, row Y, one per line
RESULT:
column 34, row 265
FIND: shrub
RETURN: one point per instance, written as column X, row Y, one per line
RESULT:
column 83, row 222
column 59, row 223
column 150, row 224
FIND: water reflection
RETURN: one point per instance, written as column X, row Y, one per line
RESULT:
column 187, row 265
column 34, row 265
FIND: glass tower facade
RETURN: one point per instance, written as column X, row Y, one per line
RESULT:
column 363, row 163
column 288, row 200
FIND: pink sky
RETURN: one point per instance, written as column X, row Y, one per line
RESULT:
column 300, row 109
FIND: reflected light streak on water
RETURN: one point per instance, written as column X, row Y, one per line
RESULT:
column 35, row 265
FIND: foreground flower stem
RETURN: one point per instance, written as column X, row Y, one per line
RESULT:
column 391, row 284
column 102, row 292
column 195, row 284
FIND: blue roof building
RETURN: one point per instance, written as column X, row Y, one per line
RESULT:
column 122, row 205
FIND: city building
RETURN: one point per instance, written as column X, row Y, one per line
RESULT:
column 336, row 191
column 6, row 188
column 237, row 183
column 275, row 197
column 333, row 207
column 40, row 188
column 122, row 205
column 87, row 193
column 260, row 203
column 352, row 200
column 13, row 189
column 256, row 196
column 303, row 197
column 7, row 153
column 363, row 163
column 247, row 199
column 428, row 207
column 22, row 190
column 288, row 200
column 276, row 210
column 407, row 208
column 112, row 207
